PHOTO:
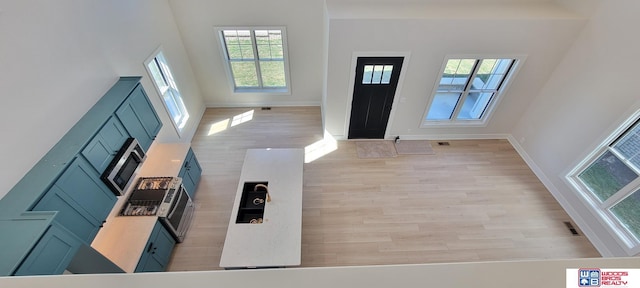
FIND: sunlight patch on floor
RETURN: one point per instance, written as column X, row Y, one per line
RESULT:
column 236, row 120
column 320, row 148
column 218, row 127
column 241, row 118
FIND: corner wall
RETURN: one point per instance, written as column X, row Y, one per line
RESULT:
column 428, row 36
column 59, row 57
column 303, row 20
column 588, row 95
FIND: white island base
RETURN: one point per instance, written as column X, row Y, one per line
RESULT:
column 276, row 242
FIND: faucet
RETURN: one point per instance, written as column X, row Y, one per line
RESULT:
column 255, row 188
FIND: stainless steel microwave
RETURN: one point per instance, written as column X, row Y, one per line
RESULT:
column 122, row 169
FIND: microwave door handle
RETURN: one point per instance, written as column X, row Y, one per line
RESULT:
column 137, row 155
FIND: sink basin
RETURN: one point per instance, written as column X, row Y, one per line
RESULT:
column 254, row 199
column 252, row 203
column 252, row 217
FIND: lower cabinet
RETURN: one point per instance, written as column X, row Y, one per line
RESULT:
column 190, row 173
column 52, row 254
column 70, row 214
column 83, row 202
column 157, row 253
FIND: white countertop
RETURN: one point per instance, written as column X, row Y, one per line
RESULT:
column 164, row 159
column 277, row 241
column 123, row 238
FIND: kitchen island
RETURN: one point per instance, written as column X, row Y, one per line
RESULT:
column 274, row 240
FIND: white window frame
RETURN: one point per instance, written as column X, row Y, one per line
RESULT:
column 628, row 241
column 225, row 57
column 489, row 111
column 169, row 93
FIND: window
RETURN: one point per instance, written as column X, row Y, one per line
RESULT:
column 256, row 59
column 166, row 86
column 610, row 181
column 467, row 90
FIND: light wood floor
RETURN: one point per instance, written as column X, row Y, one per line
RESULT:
column 471, row 201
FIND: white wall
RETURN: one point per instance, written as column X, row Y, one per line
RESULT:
column 589, row 94
column 429, row 33
column 57, row 58
column 303, row 21
column 521, row 274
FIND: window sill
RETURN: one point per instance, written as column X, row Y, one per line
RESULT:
column 279, row 91
column 441, row 124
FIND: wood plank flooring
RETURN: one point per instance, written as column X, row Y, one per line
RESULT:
column 471, row 201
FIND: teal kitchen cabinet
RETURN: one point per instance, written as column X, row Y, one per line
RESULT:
column 65, row 188
column 82, row 199
column 190, row 173
column 157, row 253
column 106, row 144
column 52, row 254
column 139, row 118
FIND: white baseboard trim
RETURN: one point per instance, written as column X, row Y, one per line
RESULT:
column 450, row 137
column 566, row 205
column 254, row 105
column 437, row 137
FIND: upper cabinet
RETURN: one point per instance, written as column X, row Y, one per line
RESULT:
column 106, row 144
column 139, row 118
column 190, row 173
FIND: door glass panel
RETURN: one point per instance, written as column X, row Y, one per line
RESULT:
column 386, row 74
column 607, row 175
column 628, row 212
column 443, row 105
column 474, row 105
column 368, row 73
column 377, row 74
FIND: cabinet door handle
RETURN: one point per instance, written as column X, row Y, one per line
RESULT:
column 149, row 248
column 186, row 164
